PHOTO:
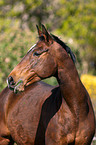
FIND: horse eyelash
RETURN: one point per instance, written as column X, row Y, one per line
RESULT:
column 36, row 54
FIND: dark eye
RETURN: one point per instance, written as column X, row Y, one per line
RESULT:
column 39, row 52
column 36, row 54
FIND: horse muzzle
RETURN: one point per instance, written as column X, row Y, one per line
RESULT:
column 12, row 85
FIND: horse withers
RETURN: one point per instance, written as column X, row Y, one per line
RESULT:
column 75, row 122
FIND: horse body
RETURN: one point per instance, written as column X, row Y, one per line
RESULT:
column 22, row 117
column 34, row 117
column 74, row 122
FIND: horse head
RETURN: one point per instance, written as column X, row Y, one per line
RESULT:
column 41, row 61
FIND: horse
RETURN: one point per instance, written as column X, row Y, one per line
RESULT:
column 74, row 122
column 22, row 115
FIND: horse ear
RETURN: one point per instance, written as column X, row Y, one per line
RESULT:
column 39, row 31
column 45, row 32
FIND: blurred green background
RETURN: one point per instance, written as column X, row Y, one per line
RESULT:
column 74, row 21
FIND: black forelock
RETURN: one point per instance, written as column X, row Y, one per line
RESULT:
column 68, row 50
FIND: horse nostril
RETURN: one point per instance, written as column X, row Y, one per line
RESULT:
column 10, row 80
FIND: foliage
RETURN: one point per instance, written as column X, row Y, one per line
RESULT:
column 12, row 49
column 73, row 18
column 89, row 82
column 78, row 21
column 51, row 81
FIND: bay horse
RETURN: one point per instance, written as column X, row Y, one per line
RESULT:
column 74, row 122
column 22, row 115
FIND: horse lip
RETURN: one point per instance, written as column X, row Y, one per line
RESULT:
column 15, row 86
column 18, row 86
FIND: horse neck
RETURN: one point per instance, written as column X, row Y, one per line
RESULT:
column 71, row 87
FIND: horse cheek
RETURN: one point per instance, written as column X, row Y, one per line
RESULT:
column 47, row 69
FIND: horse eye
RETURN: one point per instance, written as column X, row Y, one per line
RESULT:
column 36, row 54
column 39, row 52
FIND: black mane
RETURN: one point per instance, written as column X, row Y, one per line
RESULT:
column 68, row 50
